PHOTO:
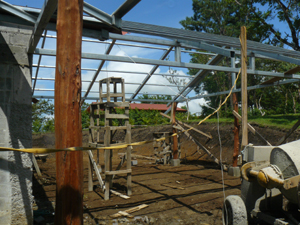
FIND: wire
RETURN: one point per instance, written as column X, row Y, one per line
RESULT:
column 237, row 77
column 221, row 150
column 126, row 54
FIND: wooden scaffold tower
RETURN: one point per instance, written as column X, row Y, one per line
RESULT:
column 106, row 110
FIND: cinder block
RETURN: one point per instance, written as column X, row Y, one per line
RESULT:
column 175, row 162
column 134, row 162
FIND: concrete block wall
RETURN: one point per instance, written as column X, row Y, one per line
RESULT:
column 15, row 127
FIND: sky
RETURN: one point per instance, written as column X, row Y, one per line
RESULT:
column 158, row 12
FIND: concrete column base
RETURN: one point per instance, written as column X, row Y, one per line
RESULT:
column 234, row 171
column 175, row 162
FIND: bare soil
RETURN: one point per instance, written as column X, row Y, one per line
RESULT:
column 200, row 202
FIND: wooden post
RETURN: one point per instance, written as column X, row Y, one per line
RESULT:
column 128, row 152
column 175, row 139
column 68, row 130
column 244, row 87
column 236, row 131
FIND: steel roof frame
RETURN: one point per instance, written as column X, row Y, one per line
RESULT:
column 110, row 27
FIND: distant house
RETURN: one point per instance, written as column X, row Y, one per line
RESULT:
column 158, row 107
column 145, row 106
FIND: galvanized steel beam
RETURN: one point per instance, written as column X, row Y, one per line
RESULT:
column 97, row 13
column 17, row 12
column 125, row 8
column 154, row 68
column 38, row 65
column 196, row 80
column 169, row 63
column 289, row 81
column 47, row 11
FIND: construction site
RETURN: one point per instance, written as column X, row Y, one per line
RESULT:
column 117, row 173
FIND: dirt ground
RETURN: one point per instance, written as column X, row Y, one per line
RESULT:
column 202, row 185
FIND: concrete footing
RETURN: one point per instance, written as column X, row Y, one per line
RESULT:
column 175, row 162
column 234, row 171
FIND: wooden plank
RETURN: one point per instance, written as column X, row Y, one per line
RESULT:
column 117, row 104
column 283, row 139
column 138, row 156
column 175, row 137
column 243, row 39
column 184, row 124
column 36, row 166
column 134, row 209
column 117, row 116
column 251, row 129
column 125, row 214
column 112, row 95
column 172, row 186
column 90, row 176
column 202, row 147
column 118, row 172
column 96, row 169
column 111, row 127
column 119, row 194
column 293, row 71
column 272, row 80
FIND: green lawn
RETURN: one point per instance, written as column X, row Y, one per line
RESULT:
column 279, row 121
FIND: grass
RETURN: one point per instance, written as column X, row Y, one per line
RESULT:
column 283, row 121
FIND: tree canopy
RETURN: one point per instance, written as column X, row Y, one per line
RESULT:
column 264, row 20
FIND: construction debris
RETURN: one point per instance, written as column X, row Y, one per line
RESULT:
column 119, row 194
column 172, row 186
column 126, row 212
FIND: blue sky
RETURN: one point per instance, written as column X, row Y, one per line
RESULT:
column 159, row 12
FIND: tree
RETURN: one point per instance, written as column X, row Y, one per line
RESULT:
column 85, row 116
column 42, row 116
column 225, row 17
column 287, row 12
column 155, row 97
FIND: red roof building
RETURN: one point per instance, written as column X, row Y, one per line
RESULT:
column 158, row 107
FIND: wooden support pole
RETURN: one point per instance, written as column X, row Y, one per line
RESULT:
column 68, row 130
column 251, row 129
column 184, row 124
column 283, row 139
column 244, row 86
column 175, row 138
column 236, row 131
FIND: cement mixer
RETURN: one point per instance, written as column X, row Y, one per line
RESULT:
column 270, row 190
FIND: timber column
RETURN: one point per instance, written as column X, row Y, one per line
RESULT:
column 68, row 131
column 244, row 87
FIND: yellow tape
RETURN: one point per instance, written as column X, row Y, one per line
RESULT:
column 52, row 150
